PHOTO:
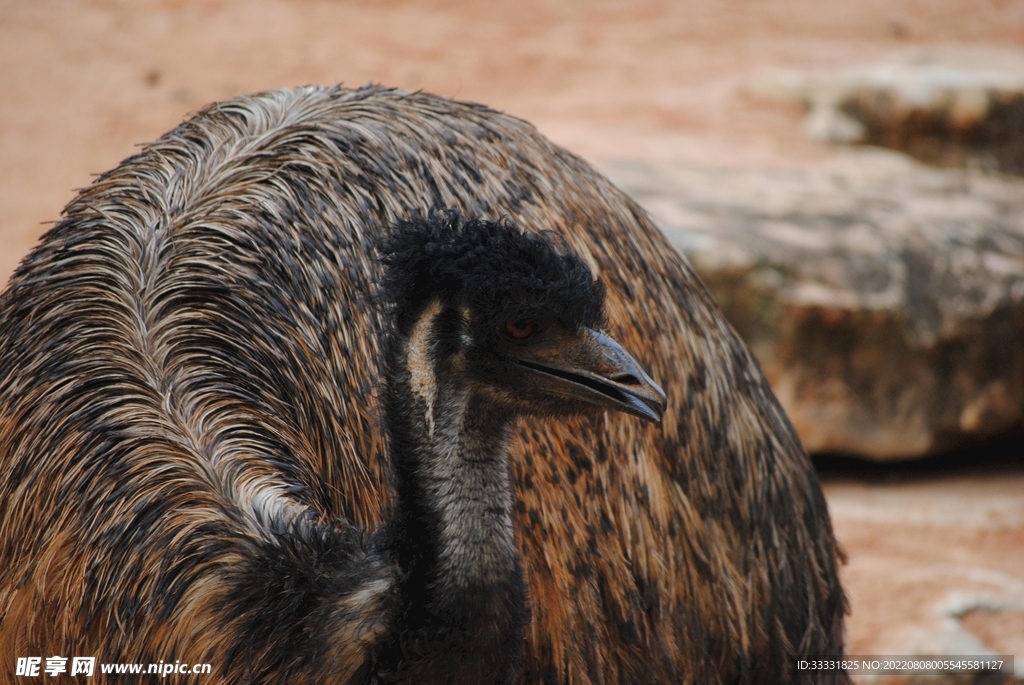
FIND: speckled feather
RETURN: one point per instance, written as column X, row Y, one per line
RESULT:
column 188, row 416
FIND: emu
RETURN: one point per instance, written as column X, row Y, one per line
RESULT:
column 489, row 324
column 190, row 435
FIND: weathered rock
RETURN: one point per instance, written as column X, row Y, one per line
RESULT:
column 884, row 299
column 938, row 114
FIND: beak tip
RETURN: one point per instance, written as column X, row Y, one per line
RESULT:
column 648, row 408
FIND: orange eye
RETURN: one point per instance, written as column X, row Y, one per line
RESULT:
column 521, row 328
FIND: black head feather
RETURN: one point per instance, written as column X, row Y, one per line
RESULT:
column 498, row 270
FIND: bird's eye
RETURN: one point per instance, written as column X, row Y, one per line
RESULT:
column 520, row 329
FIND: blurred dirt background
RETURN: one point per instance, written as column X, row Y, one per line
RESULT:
column 936, row 551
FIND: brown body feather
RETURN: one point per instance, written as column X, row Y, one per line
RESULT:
column 187, row 379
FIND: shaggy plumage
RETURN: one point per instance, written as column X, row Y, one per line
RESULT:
column 187, row 416
column 498, row 269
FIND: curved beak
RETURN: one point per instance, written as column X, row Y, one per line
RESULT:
column 593, row 368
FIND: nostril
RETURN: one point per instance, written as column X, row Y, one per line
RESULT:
column 626, row 379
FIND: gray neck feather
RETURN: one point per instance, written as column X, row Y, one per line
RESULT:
column 462, row 466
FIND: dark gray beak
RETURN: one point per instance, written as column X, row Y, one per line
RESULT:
column 594, row 368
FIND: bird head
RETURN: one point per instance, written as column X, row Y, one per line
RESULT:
column 514, row 315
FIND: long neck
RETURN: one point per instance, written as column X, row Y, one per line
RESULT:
column 452, row 531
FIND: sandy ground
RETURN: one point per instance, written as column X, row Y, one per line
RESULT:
column 935, row 557
column 84, row 82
